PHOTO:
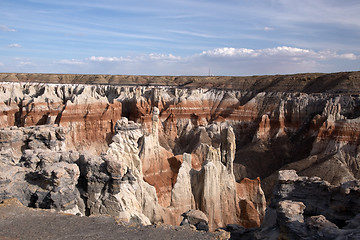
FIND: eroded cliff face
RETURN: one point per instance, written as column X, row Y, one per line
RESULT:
column 150, row 153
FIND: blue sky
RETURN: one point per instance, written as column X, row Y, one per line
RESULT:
column 180, row 37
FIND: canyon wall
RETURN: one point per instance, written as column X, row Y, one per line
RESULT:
column 149, row 153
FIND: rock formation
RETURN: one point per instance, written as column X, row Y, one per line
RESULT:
column 195, row 218
column 45, row 175
column 48, row 176
column 148, row 153
column 308, row 208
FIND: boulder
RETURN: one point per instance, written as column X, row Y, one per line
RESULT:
column 196, row 218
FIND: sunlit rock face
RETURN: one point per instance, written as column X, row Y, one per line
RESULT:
column 150, row 153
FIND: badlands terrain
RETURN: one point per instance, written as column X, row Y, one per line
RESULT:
column 259, row 157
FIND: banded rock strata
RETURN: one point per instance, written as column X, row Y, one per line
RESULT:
column 186, row 148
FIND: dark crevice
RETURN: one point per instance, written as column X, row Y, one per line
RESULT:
column 33, row 200
column 140, row 143
column 59, row 116
column 18, row 121
column 39, row 93
column 82, row 186
column 43, row 120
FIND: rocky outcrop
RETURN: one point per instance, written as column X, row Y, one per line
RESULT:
column 308, row 208
column 337, row 203
column 251, row 201
column 45, row 175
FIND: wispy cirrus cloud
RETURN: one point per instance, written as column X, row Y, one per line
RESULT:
column 182, row 27
column 320, row 11
column 196, row 34
column 169, row 37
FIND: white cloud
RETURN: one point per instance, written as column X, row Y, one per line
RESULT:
column 109, row 59
column 334, row 55
column 22, row 61
column 71, row 61
column 230, row 52
column 283, row 52
column 27, row 63
column 163, row 57
column 268, row 29
column 139, row 58
column 1, row 64
column 14, row 45
column 348, row 56
column 6, row 29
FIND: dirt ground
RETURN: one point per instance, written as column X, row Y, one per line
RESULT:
column 19, row 222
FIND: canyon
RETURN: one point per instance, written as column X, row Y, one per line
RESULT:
column 146, row 149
